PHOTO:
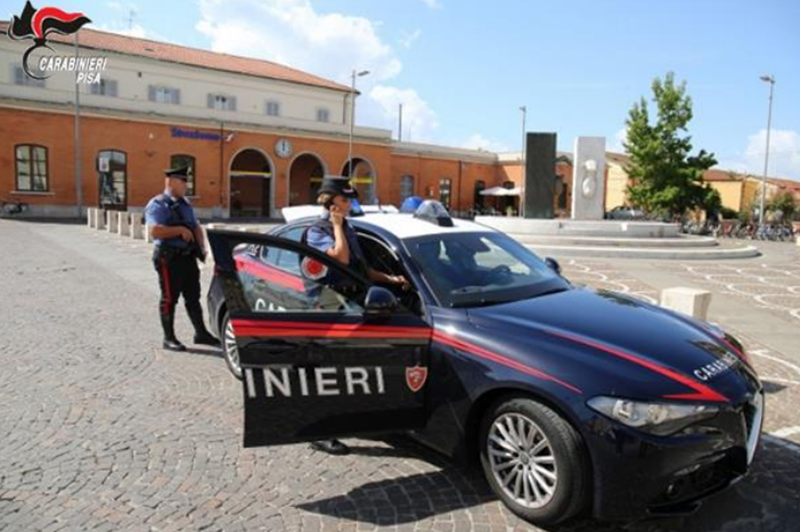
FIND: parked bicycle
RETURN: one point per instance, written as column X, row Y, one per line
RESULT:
column 10, row 207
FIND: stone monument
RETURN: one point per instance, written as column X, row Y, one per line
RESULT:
column 588, row 178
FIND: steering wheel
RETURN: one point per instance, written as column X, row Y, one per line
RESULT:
column 498, row 275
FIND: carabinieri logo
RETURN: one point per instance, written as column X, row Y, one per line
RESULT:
column 37, row 24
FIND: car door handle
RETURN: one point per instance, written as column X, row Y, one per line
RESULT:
column 278, row 346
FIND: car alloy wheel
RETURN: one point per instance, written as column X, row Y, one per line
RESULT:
column 522, row 460
column 231, row 350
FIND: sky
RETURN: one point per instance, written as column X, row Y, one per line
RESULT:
column 462, row 69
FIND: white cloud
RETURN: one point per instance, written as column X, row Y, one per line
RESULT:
column 479, row 142
column 419, row 120
column 135, row 30
column 293, row 33
column 784, row 154
column 619, row 138
column 433, row 4
column 408, row 38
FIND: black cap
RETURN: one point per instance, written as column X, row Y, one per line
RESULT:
column 337, row 185
column 182, row 172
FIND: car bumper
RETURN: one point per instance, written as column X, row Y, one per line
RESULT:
column 639, row 475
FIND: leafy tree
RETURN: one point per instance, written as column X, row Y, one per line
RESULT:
column 782, row 202
column 666, row 178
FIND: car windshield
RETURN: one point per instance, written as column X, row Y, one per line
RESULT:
column 478, row 269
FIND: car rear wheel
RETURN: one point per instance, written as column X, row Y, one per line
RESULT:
column 534, row 461
column 229, row 348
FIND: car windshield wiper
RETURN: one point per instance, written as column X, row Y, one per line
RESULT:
column 551, row 291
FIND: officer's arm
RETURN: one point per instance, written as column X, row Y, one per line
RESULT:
column 323, row 242
column 166, row 231
column 340, row 250
column 199, row 237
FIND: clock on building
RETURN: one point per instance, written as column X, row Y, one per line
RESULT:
column 283, row 148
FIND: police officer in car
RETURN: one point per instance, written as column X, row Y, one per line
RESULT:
column 332, row 235
column 179, row 244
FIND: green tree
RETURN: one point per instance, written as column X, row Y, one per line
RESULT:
column 783, row 202
column 665, row 178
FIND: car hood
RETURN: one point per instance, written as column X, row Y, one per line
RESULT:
column 621, row 338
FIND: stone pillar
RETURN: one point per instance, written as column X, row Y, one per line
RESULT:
column 691, row 301
column 588, row 178
column 90, row 222
column 148, row 237
column 123, row 224
column 99, row 220
column 136, row 225
column 112, row 221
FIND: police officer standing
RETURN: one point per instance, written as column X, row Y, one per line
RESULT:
column 179, row 243
column 332, row 235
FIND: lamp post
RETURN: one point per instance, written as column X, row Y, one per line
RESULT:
column 352, row 119
column 771, row 81
column 524, row 110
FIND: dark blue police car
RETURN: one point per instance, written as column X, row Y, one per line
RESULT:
column 572, row 399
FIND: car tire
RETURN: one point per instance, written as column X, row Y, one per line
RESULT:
column 230, row 351
column 550, row 455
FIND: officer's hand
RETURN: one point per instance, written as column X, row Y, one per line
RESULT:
column 337, row 218
column 186, row 234
column 399, row 279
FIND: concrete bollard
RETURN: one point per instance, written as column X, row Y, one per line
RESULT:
column 148, row 237
column 691, row 301
column 123, row 224
column 136, row 225
column 112, row 221
column 99, row 221
column 90, row 217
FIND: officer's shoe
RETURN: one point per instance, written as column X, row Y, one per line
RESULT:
column 331, row 447
column 172, row 344
column 205, row 338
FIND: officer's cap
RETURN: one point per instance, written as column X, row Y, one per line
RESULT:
column 182, row 172
column 337, row 185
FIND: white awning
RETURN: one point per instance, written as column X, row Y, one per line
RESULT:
column 501, row 191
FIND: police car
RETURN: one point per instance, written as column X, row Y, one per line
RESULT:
column 572, row 399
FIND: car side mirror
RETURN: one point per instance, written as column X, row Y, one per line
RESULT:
column 380, row 301
column 553, row 264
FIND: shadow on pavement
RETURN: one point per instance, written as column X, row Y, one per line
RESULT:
column 767, row 499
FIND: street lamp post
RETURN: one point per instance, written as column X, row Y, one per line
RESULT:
column 524, row 110
column 771, row 81
column 352, row 119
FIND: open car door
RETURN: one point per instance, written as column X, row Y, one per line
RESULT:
column 323, row 354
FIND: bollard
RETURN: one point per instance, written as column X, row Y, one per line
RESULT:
column 89, row 217
column 148, row 237
column 99, row 219
column 123, row 224
column 691, row 301
column 136, row 225
column 112, row 221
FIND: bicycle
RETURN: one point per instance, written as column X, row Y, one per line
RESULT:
column 11, row 207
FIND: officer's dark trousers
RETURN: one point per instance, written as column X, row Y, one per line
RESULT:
column 178, row 275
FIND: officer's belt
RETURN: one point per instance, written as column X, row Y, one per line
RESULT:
column 170, row 251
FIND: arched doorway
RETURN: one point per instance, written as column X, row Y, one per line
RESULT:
column 363, row 179
column 251, row 184
column 305, row 178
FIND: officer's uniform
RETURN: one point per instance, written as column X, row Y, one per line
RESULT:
column 175, row 261
column 320, row 236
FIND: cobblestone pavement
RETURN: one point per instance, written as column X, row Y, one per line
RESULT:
column 102, row 430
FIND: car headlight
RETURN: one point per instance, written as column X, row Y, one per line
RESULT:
column 660, row 419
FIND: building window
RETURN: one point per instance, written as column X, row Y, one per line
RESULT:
column 21, row 78
column 178, row 161
column 480, row 186
column 112, row 169
column 273, row 109
column 161, row 94
column 444, row 193
column 106, row 87
column 406, row 186
column 323, row 115
column 222, row 102
column 31, row 165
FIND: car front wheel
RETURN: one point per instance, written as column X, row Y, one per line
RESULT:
column 534, row 461
column 229, row 348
